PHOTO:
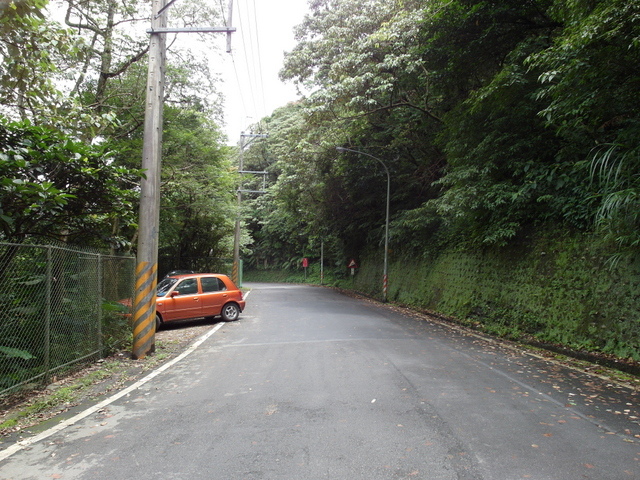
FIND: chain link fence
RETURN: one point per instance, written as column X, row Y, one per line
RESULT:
column 59, row 308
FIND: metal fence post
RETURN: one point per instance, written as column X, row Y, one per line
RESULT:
column 47, row 317
column 99, row 302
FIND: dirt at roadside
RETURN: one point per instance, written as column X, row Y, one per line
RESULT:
column 23, row 411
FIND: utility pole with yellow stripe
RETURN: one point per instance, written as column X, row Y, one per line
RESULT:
column 144, row 302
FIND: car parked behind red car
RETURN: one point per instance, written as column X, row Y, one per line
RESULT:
column 182, row 297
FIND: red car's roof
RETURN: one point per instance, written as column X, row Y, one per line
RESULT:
column 187, row 275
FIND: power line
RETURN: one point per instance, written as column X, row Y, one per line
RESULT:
column 235, row 71
column 255, row 18
column 247, row 54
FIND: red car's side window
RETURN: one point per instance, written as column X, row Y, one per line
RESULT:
column 212, row 284
column 188, row 286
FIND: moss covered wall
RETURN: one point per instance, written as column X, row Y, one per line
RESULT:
column 556, row 289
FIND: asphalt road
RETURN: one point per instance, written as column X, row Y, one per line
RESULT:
column 311, row 384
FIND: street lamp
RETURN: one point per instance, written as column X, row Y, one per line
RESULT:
column 385, row 276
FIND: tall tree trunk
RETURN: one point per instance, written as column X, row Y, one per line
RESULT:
column 106, row 57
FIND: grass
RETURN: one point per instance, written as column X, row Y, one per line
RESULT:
column 28, row 409
column 59, row 398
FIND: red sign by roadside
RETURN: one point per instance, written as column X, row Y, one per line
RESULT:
column 305, row 262
column 352, row 264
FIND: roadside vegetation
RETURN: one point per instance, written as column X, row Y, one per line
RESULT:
column 72, row 89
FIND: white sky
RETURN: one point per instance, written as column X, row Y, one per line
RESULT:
column 252, row 88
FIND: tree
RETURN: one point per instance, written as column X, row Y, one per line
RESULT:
column 371, row 92
column 507, row 171
column 591, row 78
column 105, row 82
column 107, row 77
column 197, row 204
column 59, row 188
column 359, row 54
column 29, row 44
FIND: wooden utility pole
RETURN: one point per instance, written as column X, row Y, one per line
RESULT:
column 144, row 304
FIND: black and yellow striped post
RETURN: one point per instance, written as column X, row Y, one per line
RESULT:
column 144, row 310
column 144, row 305
column 235, row 276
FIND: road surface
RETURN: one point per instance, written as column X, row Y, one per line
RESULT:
column 312, row 384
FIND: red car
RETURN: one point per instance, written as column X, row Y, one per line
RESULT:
column 181, row 297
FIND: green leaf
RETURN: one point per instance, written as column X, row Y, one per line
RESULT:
column 15, row 353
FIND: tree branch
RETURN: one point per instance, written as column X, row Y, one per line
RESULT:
column 397, row 105
column 127, row 64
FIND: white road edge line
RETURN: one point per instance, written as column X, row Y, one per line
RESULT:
column 16, row 447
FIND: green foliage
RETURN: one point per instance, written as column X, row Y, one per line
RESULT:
column 104, row 84
column 9, row 352
column 98, row 62
column 590, row 77
column 505, row 173
column 614, row 168
column 369, row 94
column 52, row 186
column 590, row 73
column 358, row 52
column 116, row 327
column 107, row 75
column 29, row 42
column 289, row 217
column 197, row 205
column 465, row 43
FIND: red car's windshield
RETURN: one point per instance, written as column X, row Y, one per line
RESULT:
column 164, row 286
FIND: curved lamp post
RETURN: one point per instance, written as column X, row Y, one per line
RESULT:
column 385, row 276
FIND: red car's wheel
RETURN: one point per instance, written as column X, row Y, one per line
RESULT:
column 230, row 312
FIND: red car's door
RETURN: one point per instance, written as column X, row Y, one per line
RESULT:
column 183, row 302
column 214, row 295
